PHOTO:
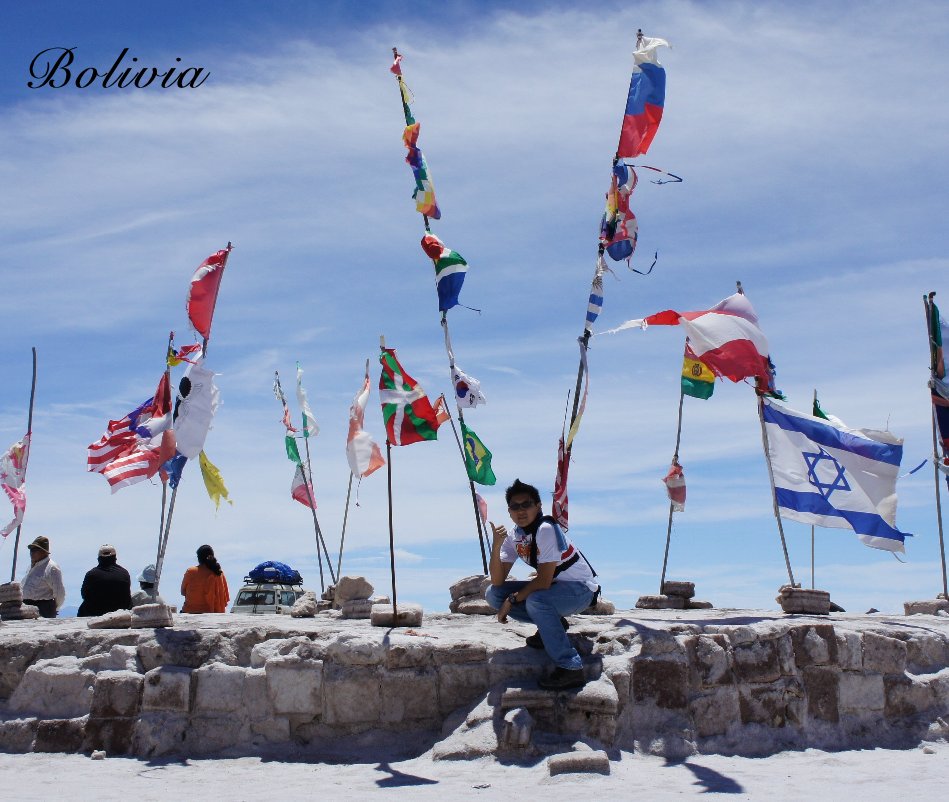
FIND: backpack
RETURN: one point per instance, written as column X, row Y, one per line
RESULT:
column 273, row 571
column 532, row 558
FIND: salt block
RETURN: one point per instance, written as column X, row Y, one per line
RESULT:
column 151, row 616
column 925, row 607
column 474, row 606
column 409, row 615
column 803, row 600
column 661, row 602
column 469, row 586
column 518, row 728
column 695, row 604
column 22, row 612
column 351, row 587
column 596, row 762
column 120, row 619
column 10, row 592
column 356, row 608
column 305, row 606
column 684, row 589
column 602, row 607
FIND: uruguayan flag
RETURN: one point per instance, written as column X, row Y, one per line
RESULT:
column 830, row 475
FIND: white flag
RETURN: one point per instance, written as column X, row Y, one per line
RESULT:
column 467, row 390
column 198, row 400
column 310, row 429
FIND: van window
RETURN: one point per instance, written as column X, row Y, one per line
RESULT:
column 287, row 597
column 255, row 597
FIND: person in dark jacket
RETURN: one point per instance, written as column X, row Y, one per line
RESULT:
column 107, row 587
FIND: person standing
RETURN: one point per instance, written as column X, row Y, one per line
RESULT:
column 148, row 593
column 107, row 587
column 204, row 585
column 43, row 584
column 564, row 583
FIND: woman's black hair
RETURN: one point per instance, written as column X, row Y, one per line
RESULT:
column 206, row 558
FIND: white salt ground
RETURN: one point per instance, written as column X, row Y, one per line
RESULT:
column 872, row 775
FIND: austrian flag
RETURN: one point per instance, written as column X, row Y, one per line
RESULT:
column 406, row 410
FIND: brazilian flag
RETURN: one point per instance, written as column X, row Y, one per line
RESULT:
column 477, row 458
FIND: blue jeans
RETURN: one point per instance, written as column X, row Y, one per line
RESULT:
column 544, row 608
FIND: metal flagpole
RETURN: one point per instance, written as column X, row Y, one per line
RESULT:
column 774, row 495
column 29, row 434
column 929, row 304
column 164, row 485
column 812, row 525
column 675, row 461
column 482, row 535
column 395, row 609
column 308, row 475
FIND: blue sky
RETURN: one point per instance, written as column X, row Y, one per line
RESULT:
column 810, row 139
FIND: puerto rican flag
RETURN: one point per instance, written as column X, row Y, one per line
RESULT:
column 725, row 337
column 647, row 96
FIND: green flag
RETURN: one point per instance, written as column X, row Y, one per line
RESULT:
column 477, row 458
column 293, row 453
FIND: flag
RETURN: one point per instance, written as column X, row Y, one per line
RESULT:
column 13, row 479
column 830, row 475
column 406, row 410
column 697, row 380
column 175, row 358
column 154, row 416
column 293, row 453
column 482, row 508
column 675, row 486
column 477, row 458
column 362, row 452
column 424, row 193
column 396, row 68
column 310, row 429
column 202, row 293
column 442, row 415
column 726, row 338
column 817, row 412
column 938, row 384
column 559, row 507
column 467, row 390
column 171, row 470
column 213, row 481
column 619, row 230
column 450, row 269
column 595, row 304
column 644, row 104
column 198, row 400
column 301, row 490
column 141, row 463
column 278, row 392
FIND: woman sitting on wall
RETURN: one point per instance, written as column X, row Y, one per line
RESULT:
column 204, row 585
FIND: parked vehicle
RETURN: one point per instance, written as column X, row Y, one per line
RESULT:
column 271, row 587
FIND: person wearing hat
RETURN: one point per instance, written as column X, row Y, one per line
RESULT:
column 148, row 593
column 107, row 587
column 43, row 584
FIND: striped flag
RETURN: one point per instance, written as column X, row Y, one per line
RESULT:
column 13, row 479
column 559, row 507
column 301, row 490
column 450, row 269
column 647, row 96
column 595, row 305
column 362, row 452
column 137, row 465
column 408, row 414
column 697, row 380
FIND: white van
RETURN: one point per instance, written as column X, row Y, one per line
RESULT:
column 266, row 597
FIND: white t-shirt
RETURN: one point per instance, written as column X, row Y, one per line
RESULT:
column 518, row 544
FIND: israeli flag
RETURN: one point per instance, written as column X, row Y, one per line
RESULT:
column 828, row 474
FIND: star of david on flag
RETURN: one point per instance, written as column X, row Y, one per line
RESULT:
column 828, row 474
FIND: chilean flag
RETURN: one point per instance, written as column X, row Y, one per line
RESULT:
column 647, row 95
column 725, row 337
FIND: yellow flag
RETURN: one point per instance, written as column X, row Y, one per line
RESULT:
column 213, row 481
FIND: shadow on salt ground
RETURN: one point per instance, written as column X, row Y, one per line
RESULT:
column 713, row 782
column 399, row 779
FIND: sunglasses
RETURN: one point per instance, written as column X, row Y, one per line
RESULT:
column 520, row 505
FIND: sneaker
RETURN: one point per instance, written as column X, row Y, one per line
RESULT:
column 535, row 641
column 562, row 679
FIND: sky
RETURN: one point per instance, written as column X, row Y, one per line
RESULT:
column 810, row 141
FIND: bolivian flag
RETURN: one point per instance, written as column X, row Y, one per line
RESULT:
column 697, row 380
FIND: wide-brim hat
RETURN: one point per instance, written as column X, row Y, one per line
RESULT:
column 41, row 543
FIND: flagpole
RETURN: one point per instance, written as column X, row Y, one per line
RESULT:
column 342, row 537
column 395, row 609
column 474, row 498
column 29, row 434
column 675, row 461
column 461, row 418
column 164, row 484
column 928, row 304
column 774, row 494
column 316, row 523
column 812, row 525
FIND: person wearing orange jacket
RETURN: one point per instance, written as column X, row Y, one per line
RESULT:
column 204, row 585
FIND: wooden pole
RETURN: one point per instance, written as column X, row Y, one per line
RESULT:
column 342, row 537
column 675, row 461
column 774, row 495
column 928, row 304
column 29, row 434
column 812, row 525
column 308, row 475
column 395, row 609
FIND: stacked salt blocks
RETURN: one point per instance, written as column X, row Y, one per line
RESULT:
column 803, row 600
column 306, row 606
column 674, row 596
column 12, row 607
column 467, row 596
column 352, row 596
column 144, row 616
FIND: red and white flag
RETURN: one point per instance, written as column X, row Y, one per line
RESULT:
column 675, row 486
column 141, row 463
column 725, row 337
column 13, row 479
column 301, row 490
column 202, row 293
column 362, row 452
column 559, row 507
